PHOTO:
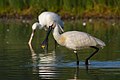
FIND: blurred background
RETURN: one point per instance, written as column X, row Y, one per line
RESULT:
column 19, row 61
column 71, row 9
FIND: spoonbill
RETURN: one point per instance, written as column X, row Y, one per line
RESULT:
column 46, row 20
column 77, row 40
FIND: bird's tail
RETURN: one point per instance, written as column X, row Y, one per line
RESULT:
column 100, row 43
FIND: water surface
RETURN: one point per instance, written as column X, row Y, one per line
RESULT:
column 19, row 61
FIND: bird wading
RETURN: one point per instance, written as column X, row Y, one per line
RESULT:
column 46, row 20
column 77, row 40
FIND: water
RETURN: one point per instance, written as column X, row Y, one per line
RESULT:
column 19, row 61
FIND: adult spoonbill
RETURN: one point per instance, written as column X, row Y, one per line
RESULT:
column 76, row 40
column 46, row 20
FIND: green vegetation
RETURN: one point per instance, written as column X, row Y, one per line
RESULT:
column 66, row 8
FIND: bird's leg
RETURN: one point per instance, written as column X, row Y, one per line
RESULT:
column 31, row 37
column 97, row 49
column 77, row 58
column 55, row 44
column 47, row 44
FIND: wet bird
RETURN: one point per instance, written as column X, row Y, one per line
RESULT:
column 77, row 40
column 46, row 20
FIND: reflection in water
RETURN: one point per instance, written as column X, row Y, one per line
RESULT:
column 76, row 75
column 34, row 57
column 17, row 62
column 47, row 67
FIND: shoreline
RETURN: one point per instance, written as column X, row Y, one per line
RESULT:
column 64, row 17
column 31, row 20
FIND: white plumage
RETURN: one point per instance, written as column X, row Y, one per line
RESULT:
column 79, row 40
column 76, row 40
column 46, row 19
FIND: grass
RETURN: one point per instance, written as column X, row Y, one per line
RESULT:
column 66, row 8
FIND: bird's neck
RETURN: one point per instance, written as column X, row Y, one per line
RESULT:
column 56, row 33
column 39, row 26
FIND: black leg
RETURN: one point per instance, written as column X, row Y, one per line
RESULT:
column 97, row 49
column 77, row 58
column 47, row 44
column 55, row 44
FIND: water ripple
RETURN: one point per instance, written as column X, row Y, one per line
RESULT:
column 93, row 64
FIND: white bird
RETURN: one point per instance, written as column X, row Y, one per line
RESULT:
column 77, row 40
column 46, row 20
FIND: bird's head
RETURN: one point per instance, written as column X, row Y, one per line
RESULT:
column 60, row 28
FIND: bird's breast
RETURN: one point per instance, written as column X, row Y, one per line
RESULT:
column 61, row 40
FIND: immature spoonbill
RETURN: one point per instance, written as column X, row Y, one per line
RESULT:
column 77, row 40
column 46, row 20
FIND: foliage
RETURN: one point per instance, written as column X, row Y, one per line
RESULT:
column 86, row 8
